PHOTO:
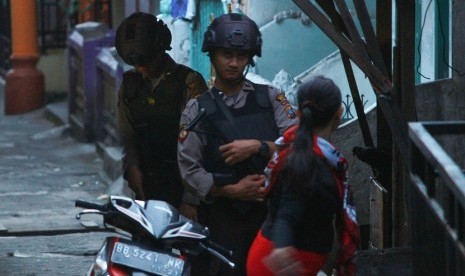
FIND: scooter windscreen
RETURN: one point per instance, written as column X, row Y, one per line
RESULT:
column 158, row 218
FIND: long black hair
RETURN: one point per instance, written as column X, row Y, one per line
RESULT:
column 318, row 100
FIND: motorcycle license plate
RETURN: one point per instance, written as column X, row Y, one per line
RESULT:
column 146, row 260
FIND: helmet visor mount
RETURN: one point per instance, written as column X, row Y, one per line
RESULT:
column 237, row 39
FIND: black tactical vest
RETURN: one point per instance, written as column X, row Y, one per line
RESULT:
column 156, row 115
column 255, row 120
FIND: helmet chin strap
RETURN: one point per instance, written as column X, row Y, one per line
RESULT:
column 246, row 70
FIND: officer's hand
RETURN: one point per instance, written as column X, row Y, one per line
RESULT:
column 189, row 211
column 248, row 188
column 239, row 150
column 135, row 182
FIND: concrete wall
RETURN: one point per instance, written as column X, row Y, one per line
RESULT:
column 345, row 138
column 54, row 66
column 444, row 100
column 290, row 40
column 263, row 11
column 290, row 45
column 332, row 67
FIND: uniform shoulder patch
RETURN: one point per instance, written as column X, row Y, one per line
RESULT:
column 282, row 99
column 290, row 112
column 183, row 132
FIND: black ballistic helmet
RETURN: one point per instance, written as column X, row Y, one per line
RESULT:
column 140, row 37
column 233, row 31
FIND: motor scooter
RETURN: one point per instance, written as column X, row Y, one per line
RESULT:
column 155, row 239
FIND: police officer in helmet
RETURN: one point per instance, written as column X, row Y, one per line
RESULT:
column 150, row 102
column 223, row 159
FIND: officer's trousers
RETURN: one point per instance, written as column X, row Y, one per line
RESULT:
column 232, row 227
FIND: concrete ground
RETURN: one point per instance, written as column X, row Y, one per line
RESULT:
column 43, row 170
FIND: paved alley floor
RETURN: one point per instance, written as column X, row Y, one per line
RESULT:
column 43, row 170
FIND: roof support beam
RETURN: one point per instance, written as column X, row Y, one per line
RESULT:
column 355, row 49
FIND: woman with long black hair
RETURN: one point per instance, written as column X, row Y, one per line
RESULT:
column 308, row 192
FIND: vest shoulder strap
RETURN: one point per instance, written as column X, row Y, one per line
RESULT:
column 207, row 102
column 261, row 94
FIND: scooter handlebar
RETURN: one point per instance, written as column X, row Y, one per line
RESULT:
column 89, row 205
column 223, row 251
column 219, row 252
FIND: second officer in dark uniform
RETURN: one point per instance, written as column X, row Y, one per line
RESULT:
column 151, row 99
